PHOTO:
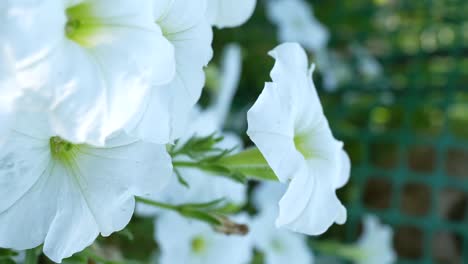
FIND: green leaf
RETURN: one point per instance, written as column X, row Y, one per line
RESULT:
column 31, row 256
column 181, row 179
column 334, row 248
column 202, row 216
column 207, row 205
column 229, row 208
column 127, row 234
column 251, row 163
column 7, row 253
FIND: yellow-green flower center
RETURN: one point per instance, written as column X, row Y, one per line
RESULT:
column 60, row 149
column 277, row 245
column 198, row 245
column 72, row 27
column 301, row 144
column 82, row 24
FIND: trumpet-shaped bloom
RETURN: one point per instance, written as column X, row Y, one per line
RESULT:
column 288, row 126
column 296, row 23
column 191, row 242
column 63, row 195
column 230, row 13
column 376, row 242
column 167, row 110
column 94, row 61
column 278, row 245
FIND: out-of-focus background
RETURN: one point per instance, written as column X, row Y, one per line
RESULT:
column 403, row 114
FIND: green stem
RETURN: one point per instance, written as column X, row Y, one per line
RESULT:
column 193, row 211
column 31, row 256
column 186, row 164
column 333, row 248
column 157, row 204
column 249, row 162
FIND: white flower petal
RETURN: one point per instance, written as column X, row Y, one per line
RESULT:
column 343, row 175
column 292, row 74
column 9, row 89
column 130, row 166
column 296, row 23
column 271, row 127
column 25, row 223
column 21, row 167
column 296, row 198
column 322, row 210
column 230, row 13
column 42, row 21
column 184, row 25
column 376, row 242
column 278, row 245
column 229, row 81
column 73, row 227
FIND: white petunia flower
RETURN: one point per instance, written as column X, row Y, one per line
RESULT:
column 94, row 61
column 376, row 242
column 191, row 242
column 230, row 13
column 168, row 109
column 278, row 245
column 288, row 126
column 64, row 195
column 296, row 23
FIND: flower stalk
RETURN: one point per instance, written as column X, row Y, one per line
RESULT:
column 211, row 213
column 333, row 248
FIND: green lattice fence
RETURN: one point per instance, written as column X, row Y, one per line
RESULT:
column 406, row 132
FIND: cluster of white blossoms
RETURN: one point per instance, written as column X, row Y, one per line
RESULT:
column 95, row 89
column 98, row 111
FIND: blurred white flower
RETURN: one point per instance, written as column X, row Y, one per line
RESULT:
column 191, row 242
column 168, row 109
column 64, row 195
column 230, row 13
column 334, row 69
column 94, row 61
column 228, row 80
column 368, row 65
column 279, row 246
column 376, row 242
column 288, row 126
column 296, row 23
column 204, row 187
